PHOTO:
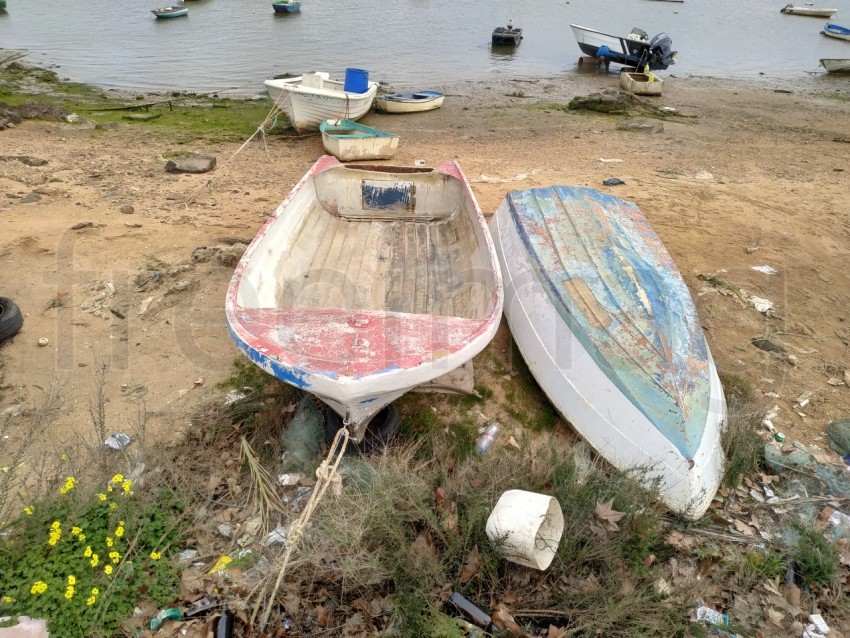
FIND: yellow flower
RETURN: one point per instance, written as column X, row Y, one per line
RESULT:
column 95, row 591
column 118, row 478
column 94, row 560
column 109, row 489
column 38, row 587
column 126, row 485
column 28, row 510
column 87, row 553
column 112, row 506
column 72, row 580
column 76, row 531
column 70, row 484
column 69, row 592
column 64, row 458
column 7, row 599
column 91, row 601
column 55, row 525
column 55, row 535
column 115, row 556
column 101, row 496
column 119, row 531
column 107, row 570
column 109, row 541
column 82, row 538
column 155, row 555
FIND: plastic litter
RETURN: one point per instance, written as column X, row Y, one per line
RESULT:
column 527, row 527
column 613, row 181
column 711, row 616
column 487, row 437
column 200, row 607
column 170, row 613
column 224, row 625
column 476, row 615
column 117, row 441
column 820, row 624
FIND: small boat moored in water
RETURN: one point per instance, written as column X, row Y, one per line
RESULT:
column 309, row 99
column 286, row 6
column 610, row 332
column 836, row 31
column 836, row 65
column 635, row 49
column 414, row 102
column 506, row 36
column 366, row 282
column 350, row 141
column 807, row 10
column 176, row 11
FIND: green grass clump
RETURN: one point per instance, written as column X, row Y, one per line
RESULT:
column 742, row 445
column 817, row 559
column 82, row 561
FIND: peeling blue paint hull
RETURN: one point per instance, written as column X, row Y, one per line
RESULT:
column 609, row 329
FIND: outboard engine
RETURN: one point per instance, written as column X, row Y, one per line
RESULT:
column 661, row 53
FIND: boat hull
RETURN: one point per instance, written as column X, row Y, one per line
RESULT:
column 836, row 31
column 836, row 65
column 287, row 8
column 622, row 50
column 307, row 106
column 174, row 12
column 612, row 415
column 506, row 37
column 415, row 103
column 367, row 282
column 349, row 141
column 808, row 11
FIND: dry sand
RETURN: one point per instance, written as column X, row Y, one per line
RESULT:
column 751, row 177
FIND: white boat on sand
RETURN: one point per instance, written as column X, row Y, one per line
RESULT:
column 350, row 141
column 608, row 328
column 310, row 98
column 367, row 282
column 414, row 102
column 836, row 65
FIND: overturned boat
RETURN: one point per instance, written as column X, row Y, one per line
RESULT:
column 609, row 330
column 367, row 282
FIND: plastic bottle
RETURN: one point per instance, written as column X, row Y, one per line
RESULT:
column 487, row 438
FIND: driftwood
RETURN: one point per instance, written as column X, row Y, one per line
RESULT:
column 137, row 107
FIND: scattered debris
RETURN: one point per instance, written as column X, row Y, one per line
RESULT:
column 613, row 181
column 165, row 614
column 117, row 441
column 767, row 270
column 190, row 165
column 764, row 306
column 43, row 341
column 527, row 527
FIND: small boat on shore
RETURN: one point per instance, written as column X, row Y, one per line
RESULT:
column 610, row 332
column 176, row 11
column 836, row 65
column 366, row 282
column 808, row 10
column 836, row 31
column 414, row 102
column 309, row 99
column 635, row 49
column 506, row 36
column 286, row 6
column 350, row 141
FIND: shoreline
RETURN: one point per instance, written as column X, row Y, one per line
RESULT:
column 736, row 168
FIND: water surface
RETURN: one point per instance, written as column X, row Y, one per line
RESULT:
column 233, row 45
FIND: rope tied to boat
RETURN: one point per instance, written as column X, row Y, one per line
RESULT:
column 327, row 477
column 269, row 122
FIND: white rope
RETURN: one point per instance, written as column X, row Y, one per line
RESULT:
column 271, row 117
column 327, row 476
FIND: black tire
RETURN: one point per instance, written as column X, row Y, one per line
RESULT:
column 11, row 319
column 381, row 431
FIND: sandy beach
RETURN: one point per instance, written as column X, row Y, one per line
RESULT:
column 747, row 186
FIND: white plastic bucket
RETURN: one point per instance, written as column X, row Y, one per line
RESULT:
column 527, row 527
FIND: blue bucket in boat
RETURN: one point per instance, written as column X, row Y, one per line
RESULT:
column 356, row 81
